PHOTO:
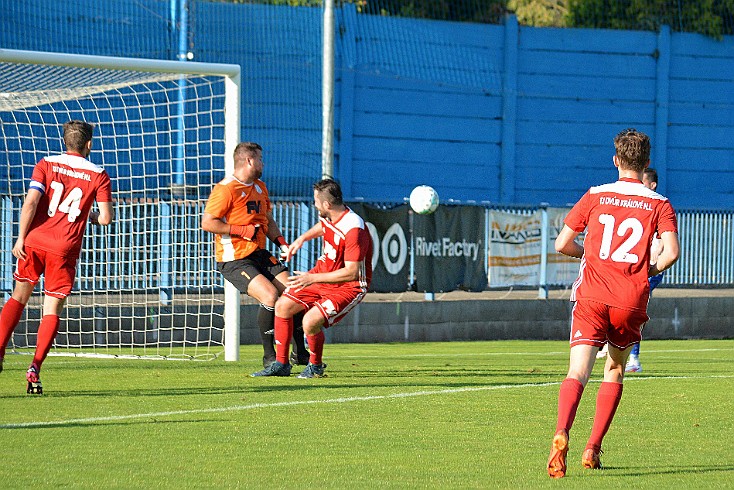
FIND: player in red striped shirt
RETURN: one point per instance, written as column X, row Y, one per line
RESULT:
column 332, row 288
column 612, row 290
column 54, row 216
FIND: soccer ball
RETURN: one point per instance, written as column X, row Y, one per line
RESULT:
column 424, row 199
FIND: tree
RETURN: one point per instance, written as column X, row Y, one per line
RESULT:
column 539, row 13
column 486, row 11
column 710, row 17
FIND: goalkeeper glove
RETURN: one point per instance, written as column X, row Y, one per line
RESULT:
column 283, row 246
column 248, row 232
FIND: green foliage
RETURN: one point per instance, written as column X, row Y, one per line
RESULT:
column 539, row 13
column 484, row 11
column 710, row 17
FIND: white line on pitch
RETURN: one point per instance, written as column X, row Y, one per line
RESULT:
column 381, row 356
column 553, row 353
column 253, row 406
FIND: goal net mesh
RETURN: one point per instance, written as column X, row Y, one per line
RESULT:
column 146, row 285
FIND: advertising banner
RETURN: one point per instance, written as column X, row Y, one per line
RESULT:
column 449, row 249
column 562, row 269
column 514, row 250
column 450, row 253
column 390, row 230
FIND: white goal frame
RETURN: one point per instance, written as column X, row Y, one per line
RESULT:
column 231, row 75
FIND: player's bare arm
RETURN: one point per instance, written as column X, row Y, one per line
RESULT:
column 27, row 213
column 104, row 216
column 215, row 225
column 348, row 273
column 273, row 228
column 669, row 254
column 567, row 245
column 315, row 231
column 212, row 224
column 276, row 236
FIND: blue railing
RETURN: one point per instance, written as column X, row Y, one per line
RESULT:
column 158, row 247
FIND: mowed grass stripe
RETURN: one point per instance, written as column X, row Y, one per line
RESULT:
column 254, row 406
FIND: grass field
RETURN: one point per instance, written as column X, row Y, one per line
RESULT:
column 422, row 415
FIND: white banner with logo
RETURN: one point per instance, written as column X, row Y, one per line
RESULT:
column 515, row 248
column 561, row 269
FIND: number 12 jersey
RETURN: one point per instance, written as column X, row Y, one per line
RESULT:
column 621, row 220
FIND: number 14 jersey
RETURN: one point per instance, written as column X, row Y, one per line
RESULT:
column 70, row 184
column 620, row 220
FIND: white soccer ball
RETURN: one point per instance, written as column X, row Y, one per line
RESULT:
column 424, row 199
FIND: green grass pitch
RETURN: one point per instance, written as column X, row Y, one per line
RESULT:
column 419, row 415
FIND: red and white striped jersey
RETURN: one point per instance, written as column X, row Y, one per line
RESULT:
column 347, row 239
column 621, row 219
column 70, row 184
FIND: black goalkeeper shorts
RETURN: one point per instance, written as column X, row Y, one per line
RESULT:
column 241, row 271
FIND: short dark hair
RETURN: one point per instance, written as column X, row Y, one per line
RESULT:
column 633, row 149
column 77, row 134
column 332, row 188
column 652, row 174
column 248, row 148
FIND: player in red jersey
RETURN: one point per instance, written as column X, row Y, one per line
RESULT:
column 611, row 292
column 336, row 284
column 52, row 223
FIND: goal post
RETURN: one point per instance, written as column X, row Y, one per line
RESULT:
column 147, row 284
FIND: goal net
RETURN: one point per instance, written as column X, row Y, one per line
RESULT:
column 146, row 285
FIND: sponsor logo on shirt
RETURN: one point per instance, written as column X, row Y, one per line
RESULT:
column 624, row 203
column 72, row 173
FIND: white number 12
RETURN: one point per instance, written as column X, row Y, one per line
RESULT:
column 70, row 204
column 622, row 253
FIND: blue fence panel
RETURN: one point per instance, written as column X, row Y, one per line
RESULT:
column 158, row 247
column 502, row 113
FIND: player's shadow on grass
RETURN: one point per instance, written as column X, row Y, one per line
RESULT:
column 627, row 471
column 126, row 393
column 274, row 386
column 125, row 423
column 463, row 371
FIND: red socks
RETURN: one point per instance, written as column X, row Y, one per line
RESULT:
column 46, row 335
column 283, row 334
column 607, row 401
column 9, row 318
column 316, row 346
column 568, row 402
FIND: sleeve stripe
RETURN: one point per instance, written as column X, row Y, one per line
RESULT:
column 38, row 186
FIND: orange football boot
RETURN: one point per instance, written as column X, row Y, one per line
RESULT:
column 590, row 459
column 557, row 458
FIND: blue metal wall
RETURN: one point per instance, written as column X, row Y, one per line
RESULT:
column 534, row 119
column 506, row 114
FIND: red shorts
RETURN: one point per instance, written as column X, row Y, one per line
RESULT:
column 58, row 272
column 594, row 323
column 334, row 301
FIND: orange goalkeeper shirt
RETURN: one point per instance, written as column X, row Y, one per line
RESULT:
column 237, row 203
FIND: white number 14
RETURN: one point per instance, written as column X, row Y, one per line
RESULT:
column 622, row 253
column 70, row 204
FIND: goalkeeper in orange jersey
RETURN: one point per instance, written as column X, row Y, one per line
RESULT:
column 239, row 213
